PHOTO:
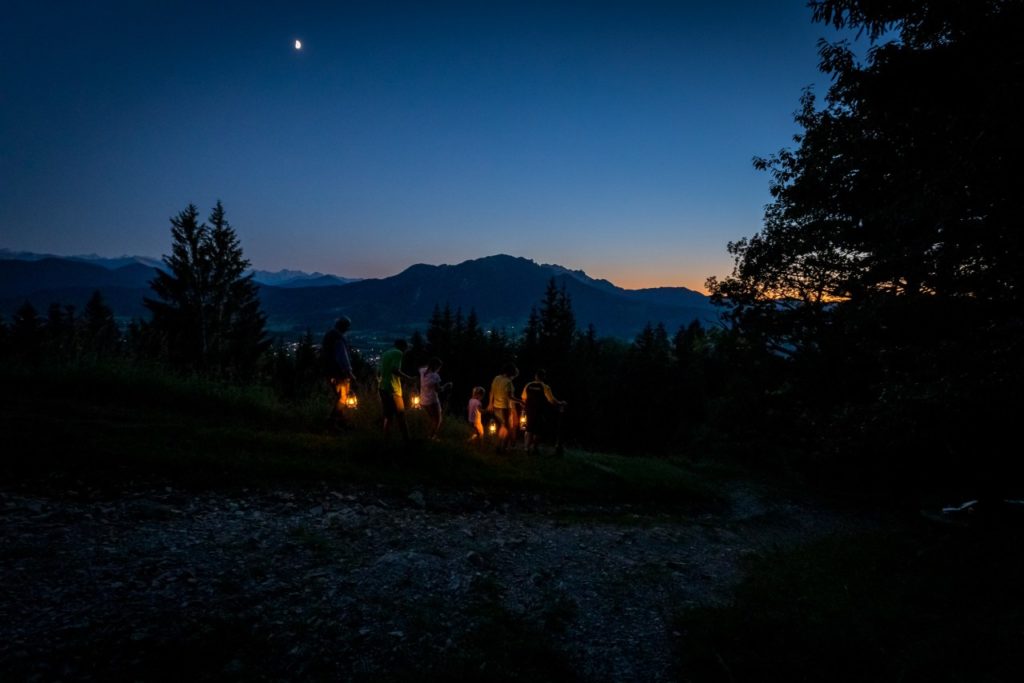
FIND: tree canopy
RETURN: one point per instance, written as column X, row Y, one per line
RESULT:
column 905, row 182
column 888, row 265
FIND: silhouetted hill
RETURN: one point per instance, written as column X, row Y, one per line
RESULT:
column 94, row 259
column 26, row 278
column 72, row 282
column 279, row 278
column 502, row 289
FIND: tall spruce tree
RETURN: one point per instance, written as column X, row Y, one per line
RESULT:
column 208, row 313
column 237, row 323
column 98, row 329
column 26, row 333
column 557, row 328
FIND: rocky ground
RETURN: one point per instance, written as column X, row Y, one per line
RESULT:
column 363, row 583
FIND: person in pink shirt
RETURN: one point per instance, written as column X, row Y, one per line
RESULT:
column 430, row 386
column 475, row 414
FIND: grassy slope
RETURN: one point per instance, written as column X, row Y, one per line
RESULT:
column 126, row 423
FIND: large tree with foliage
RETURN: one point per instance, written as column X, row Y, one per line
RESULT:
column 888, row 266
column 905, row 183
column 207, row 314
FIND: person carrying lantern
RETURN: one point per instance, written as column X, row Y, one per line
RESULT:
column 501, row 403
column 391, row 376
column 430, row 386
column 337, row 367
column 474, row 413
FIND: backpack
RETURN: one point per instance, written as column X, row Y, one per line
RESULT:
column 328, row 348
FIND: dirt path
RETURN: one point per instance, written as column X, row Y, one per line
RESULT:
column 362, row 583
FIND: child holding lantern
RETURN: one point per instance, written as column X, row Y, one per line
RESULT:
column 475, row 414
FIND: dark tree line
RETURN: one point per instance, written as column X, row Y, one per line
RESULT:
column 206, row 316
column 648, row 396
column 62, row 335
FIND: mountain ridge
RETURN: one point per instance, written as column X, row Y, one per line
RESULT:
column 501, row 289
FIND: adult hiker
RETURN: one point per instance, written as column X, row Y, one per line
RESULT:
column 539, row 404
column 391, row 376
column 501, row 402
column 337, row 367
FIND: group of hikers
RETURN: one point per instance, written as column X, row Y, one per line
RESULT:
column 535, row 409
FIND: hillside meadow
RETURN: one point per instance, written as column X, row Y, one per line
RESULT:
column 764, row 578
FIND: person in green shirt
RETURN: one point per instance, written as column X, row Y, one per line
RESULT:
column 391, row 376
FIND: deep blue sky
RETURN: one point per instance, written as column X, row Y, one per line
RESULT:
column 612, row 137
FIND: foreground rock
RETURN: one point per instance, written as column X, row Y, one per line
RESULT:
column 362, row 584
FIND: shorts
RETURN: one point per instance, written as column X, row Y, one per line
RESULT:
column 391, row 404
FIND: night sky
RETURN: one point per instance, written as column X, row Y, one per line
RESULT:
column 612, row 137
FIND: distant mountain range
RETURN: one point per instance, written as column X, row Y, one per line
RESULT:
column 501, row 289
column 109, row 263
column 280, row 278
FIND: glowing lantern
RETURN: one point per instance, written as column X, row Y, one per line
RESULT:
column 352, row 402
column 522, row 421
column 415, row 401
column 492, row 427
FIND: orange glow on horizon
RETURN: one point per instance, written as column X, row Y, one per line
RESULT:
column 651, row 271
column 640, row 278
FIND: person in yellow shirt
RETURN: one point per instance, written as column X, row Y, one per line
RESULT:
column 501, row 402
column 538, row 399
